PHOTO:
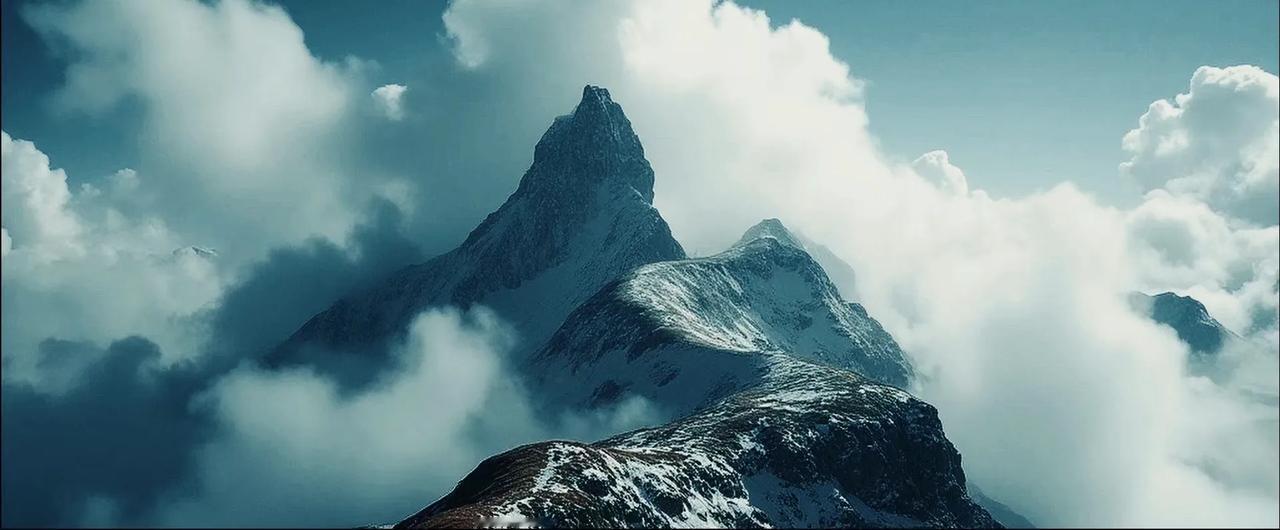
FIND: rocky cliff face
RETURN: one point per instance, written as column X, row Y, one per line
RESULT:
column 582, row 215
column 809, row 446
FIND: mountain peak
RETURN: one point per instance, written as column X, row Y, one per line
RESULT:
column 594, row 97
column 773, row 228
column 1188, row 317
column 591, row 147
column 597, row 110
column 582, row 215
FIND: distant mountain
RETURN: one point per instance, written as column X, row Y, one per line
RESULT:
column 1001, row 513
column 809, row 446
column 1190, row 320
column 582, row 215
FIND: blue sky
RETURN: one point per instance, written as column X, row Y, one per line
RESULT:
column 1021, row 94
column 1024, row 93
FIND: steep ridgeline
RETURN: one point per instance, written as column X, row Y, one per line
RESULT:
column 581, row 216
column 684, row 333
column 1204, row 335
column 754, row 348
column 810, row 446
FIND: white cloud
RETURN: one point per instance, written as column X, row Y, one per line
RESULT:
column 936, row 167
column 35, row 200
column 239, row 118
column 1179, row 244
column 318, row 458
column 1064, row 403
column 76, row 267
column 1218, row 142
column 390, row 101
column 243, row 148
column 293, row 451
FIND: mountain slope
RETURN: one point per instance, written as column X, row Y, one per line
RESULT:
column 581, row 216
column 809, row 446
column 683, row 333
column 1190, row 320
column 754, row 347
column 840, row 272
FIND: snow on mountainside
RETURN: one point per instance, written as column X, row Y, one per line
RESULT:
column 581, row 216
column 683, row 333
column 754, row 346
column 837, row 270
column 809, row 446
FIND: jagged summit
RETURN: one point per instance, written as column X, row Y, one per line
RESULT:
column 581, row 216
column 595, row 102
column 589, row 168
column 592, row 146
column 1188, row 318
column 773, row 228
column 840, row 273
column 794, row 421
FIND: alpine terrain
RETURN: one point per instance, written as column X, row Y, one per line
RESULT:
column 683, row 333
column 792, row 402
column 582, row 215
column 808, row 446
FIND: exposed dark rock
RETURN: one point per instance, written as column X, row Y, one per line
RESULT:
column 810, row 446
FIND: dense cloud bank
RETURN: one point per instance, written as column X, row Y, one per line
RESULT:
column 133, row 308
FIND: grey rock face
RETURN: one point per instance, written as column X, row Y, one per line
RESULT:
column 809, row 446
column 581, row 216
column 1190, row 320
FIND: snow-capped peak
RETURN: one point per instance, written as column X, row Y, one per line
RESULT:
column 773, row 228
column 581, row 216
column 681, row 333
column 592, row 146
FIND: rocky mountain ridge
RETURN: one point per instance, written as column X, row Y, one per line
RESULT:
column 581, row 216
column 808, row 446
column 789, row 399
column 686, row 332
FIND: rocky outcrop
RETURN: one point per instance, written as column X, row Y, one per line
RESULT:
column 810, row 446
